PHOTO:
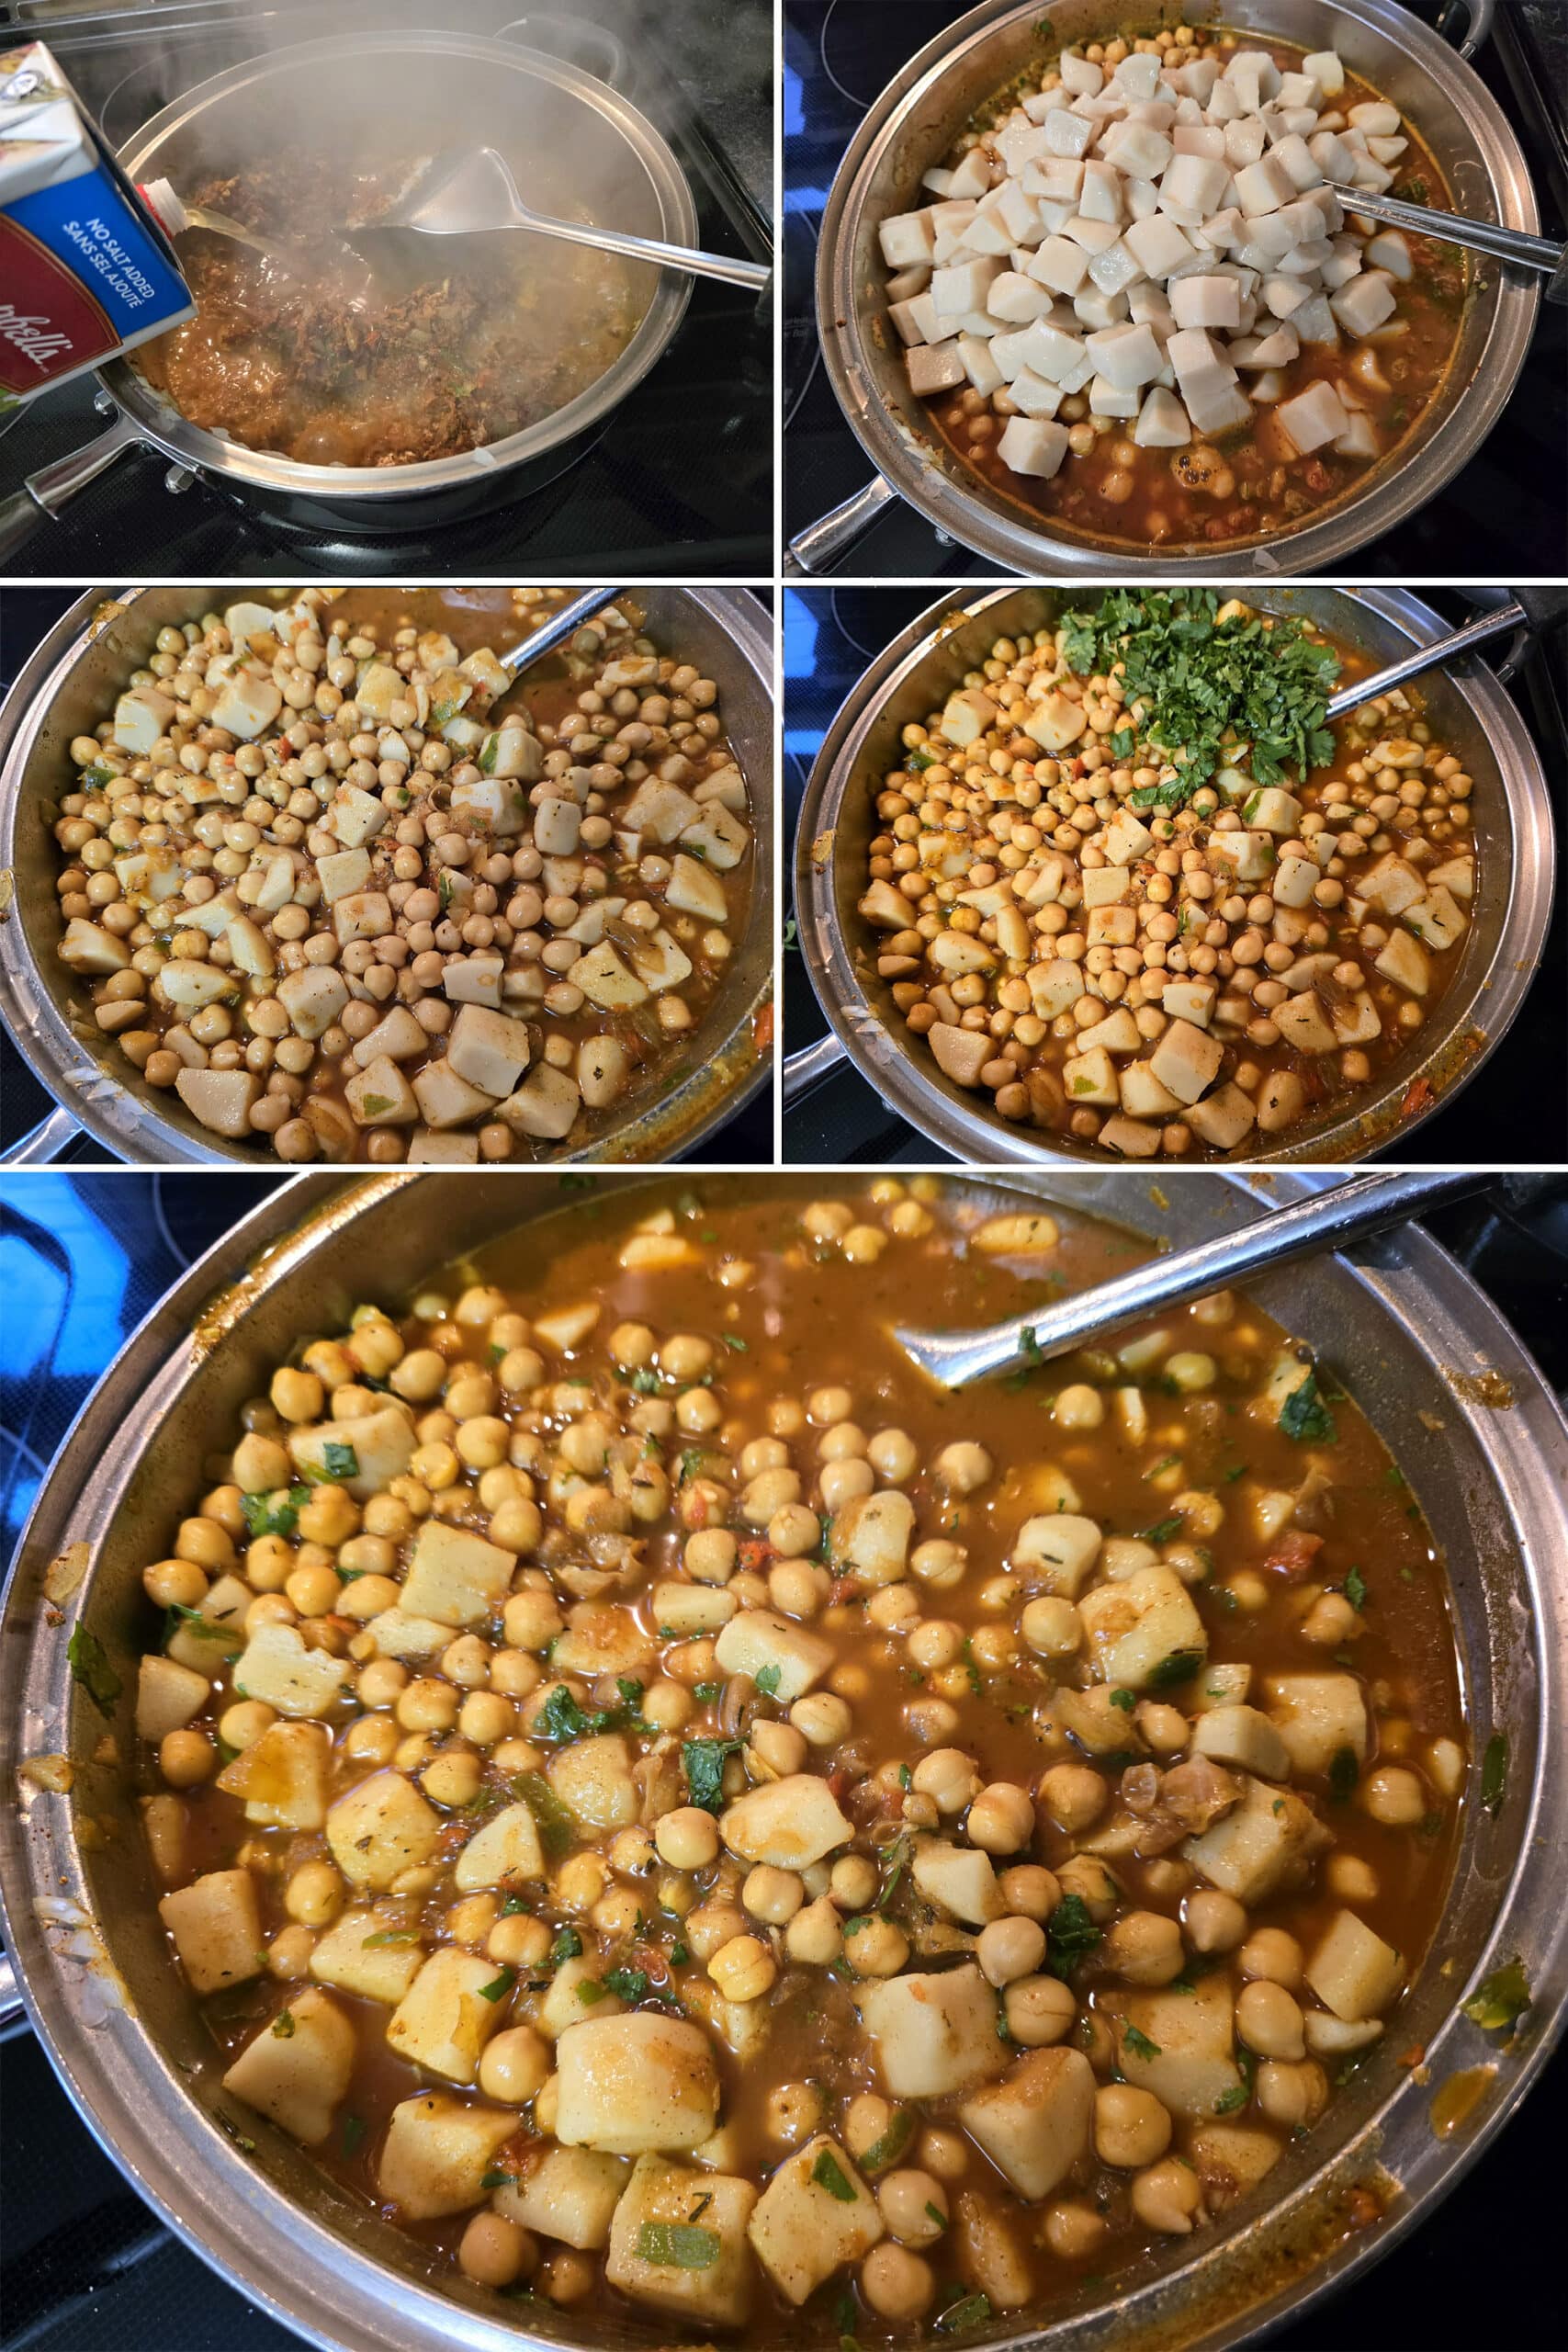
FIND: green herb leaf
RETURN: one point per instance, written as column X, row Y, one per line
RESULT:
column 283, row 2025
column 1179, row 1666
column 677, row 2246
column 496, row 2178
column 1501, row 1999
column 589, row 1990
column 553, row 1820
column 1070, row 1935
column 275, row 1514
column 626, row 1983
column 568, row 1945
column 1344, row 1772
column 1124, row 1699
column 829, row 2174
column 388, row 1935
column 1162, row 1531
column 707, row 1694
column 1356, row 1588
column 90, row 1666
column 970, row 2311
column 1304, row 1416
column 1139, row 2043
column 767, row 1680
column 895, row 2140
column 703, row 1761
column 340, row 1462
column 1228, row 2101
column 1495, row 1772
column 730, row 1340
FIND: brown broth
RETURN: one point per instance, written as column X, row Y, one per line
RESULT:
column 807, row 1317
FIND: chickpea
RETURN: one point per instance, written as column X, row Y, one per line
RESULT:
column 1145, row 1948
column 743, row 1969
column 913, row 2205
column 1214, row 1922
column 1073, row 1796
column 1167, row 2197
column 687, row 1839
column 948, row 1777
column 852, row 1881
column 773, row 1896
column 1001, row 1819
column 1008, row 1949
column 495, row 2252
column 1039, row 2010
column 1269, row 2020
column 1394, row 1795
column 514, row 2065
column 964, row 1468
column 314, row 1894
column 1029, row 1891
column 1273, row 1954
column 1132, row 2127
column 1079, row 1407
column 794, row 2111
column 1073, row 2230
column 1292, row 2096
column 896, row 2283
column 874, row 1946
column 814, row 1937
column 186, row 1758
column 1052, row 1627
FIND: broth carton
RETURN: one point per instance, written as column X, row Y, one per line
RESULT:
column 86, row 268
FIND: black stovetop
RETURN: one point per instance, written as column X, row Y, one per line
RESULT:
column 680, row 482
column 1504, row 1114
column 25, row 615
column 84, row 2267
column 1506, row 511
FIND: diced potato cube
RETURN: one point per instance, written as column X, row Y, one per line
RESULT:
column 636, row 2085
column 1315, row 1716
column 312, row 998
column 1392, row 885
column 217, row 1929
column 789, row 1823
column 961, row 1053
column 869, row 1537
column 1436, row 919
column 1062, row 1546
column 383, row 1446
column 352, row 1955
column 283, row 1777
column 804, row 2226
column 436, row 2152
column 1302, row 1023
column 168, row 1696
column 278, row 1668
column 141, row 716
column 576, row 1991
column 694, row 890
column 758, row 1641
column 1091, row 1078
column 87, row 947
column 699, row 2269
column 206, row 1642
column 1144, row 1632
column 1222, row 1118
column 1353, row 1972
column 661, row 811
column 967, row 715
column 445, row 1100
column 504, row 1853
column 1232, row 2158
column 934, row 2035
column 960, row 1880
column 545, row 1104
column 1243, row 1737
column 488, row 1049
column 355, row 816
column 1253, row 1849
column 444, row 2018
column 1193, row 2041
column 570, row 2194
column 593, row 1778
column 1187, row 1060
column 1036, row 2124
column 453, row 1576
column 297, row 2077
column 222, row 1099
column 1403, row 961
column 381, row 1096
column 381, row 1829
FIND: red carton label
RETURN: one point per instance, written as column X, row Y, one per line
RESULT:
column 49, row 325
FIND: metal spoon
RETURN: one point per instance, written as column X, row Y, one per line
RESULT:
column 1527, row 608
column 1328, row 1221
column 1517, row 246
column 456, row 194
column 559, row 628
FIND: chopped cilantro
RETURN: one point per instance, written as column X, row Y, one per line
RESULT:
column 388, row 1935
column 895, row 2140
column 646, row 1382
column 354, row 2131
column 703, row 1761
column 767, row 1680
column 567, row 1946
column 1162, row 1531
column 283, row 2025
column 499, row 1986
column 552, row 1819
column 1124, row 1699
column 90, row 1666
column 677, row 2246
column 275, row 1514
column 339, row 1461
column 829, row 2174
column 1139, row 2043
column 1228, row 2101
column 1356, row 1588
column 1179, row 1666
column 730, row 1340
column 970, row 2311
column 1500, row 1999
column 707, row 1694
column 1304, row 1416
column 497, row 2179
column 1070, row 1935
column 626, row 1983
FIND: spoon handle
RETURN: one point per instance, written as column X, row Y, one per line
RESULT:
column 1500, row 622
column 1328, row 1221
column 559, row 628
column 754, row 275
column 1455, row 229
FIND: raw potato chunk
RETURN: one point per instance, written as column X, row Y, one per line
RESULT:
column 1193, row 2036
column 277, row 1667
column 283, row 1777
column 1316, row 1715
column 383, row 1446
column 759, row 1638
column 1261, row 1846
column 348, row 1956
column 1062, row 1547
column 1036, row 2124
column 805, row 2228
column 437, row 2151
column 455, row 1578
column 381, row 1829
column 869, row 1537
column 959, row 1880
column 444, row 2019
column 790, row 1823
column 934, row 2035
column 566, row 2193
column 504, row 1852
column 1144, row 1632
column 216, row 1929
column 168, row 1696
column 298, row 2078
column 1353, row 1972
column 704, row 2271
column 636, row 2085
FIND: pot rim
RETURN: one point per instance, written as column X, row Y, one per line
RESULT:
column 125, row 1119
column 944, row 1114
column 215, row 454
column 917, row 468
column 310, row 2277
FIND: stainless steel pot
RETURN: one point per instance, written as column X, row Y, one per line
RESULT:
column 913, row 123
column 914, row 676
column 1405, row 1326
column 576, row 134
column 75, row 673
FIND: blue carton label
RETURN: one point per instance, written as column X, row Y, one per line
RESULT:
column 89, row 224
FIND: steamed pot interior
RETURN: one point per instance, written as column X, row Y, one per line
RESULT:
column 377, row 1240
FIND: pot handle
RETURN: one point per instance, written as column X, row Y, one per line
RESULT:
column 593, row 47
column 822, row 543
column 45, row 495
column 1478, row 17
column 44, row 1143
column 807, row 1069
